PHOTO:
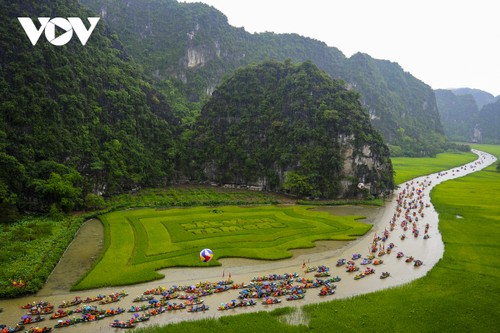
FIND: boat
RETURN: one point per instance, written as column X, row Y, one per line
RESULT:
column 368, row 271
column 122, row 324
column 198, row 308
column 247, row 302
column 193, row 301
column 409, row 259
column 143, row 298
column 67, row 322
column 323, row 268
column 155, row 312
column 385, row 275
column 143, row 307
column 169, row 296
column 42, row 311
column 400, row 255
column 42, row 304
column 335, row 279
column 352, row 269
column 417, row 263
column 356, row 256
column 341, row 262
column 110, row 299
column 61, row 314
column 175, row 306
column 295, row 297
column 359, row 276
column 270, row 301
column 138, row 319
column 26, row 320
column 228, row 306
column 110, row 312
column 17, row 328
column 67, row 304
column 378, row 261
column 366, row 261
column 93, row 299
column 44, row 329
column 322, row 274
column 326, row 291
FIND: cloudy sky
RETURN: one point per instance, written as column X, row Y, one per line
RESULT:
column 445, row 43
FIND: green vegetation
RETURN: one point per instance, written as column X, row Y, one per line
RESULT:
column 34, row 244
column 31, row 248
column 408, row 168
column 402, row 107
column 489, row 122
column 75, row 120
column 456, row 295
column 139, row 242
column 188, row 196
column 458, row 114
column 469, row 115
column 291, row 128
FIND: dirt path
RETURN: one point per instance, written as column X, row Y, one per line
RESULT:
column 430, row 251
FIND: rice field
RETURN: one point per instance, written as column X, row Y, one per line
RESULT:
column 140, row 242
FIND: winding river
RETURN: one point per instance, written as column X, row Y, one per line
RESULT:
column 429, row 251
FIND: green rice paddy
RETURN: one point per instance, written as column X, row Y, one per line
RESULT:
column 139, row 242
column 460, row 294
column 407, row 168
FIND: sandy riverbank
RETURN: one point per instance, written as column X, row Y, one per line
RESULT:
column 430, row 251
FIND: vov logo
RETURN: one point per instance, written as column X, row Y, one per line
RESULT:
column 49, row 26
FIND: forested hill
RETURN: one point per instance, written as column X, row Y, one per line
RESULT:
column 286, row 127
column 481, row 97
column 458, row 115
column 489, row 123
column 463, row 120
column 74, row 119
column 192, row 46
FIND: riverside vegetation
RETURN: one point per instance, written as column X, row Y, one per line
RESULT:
column 455, row 296
column 34, row 258
column 33, row 245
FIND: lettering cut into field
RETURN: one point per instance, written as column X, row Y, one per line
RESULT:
column 140, row 242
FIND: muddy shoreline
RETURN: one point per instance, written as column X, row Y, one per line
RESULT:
column 430, row 251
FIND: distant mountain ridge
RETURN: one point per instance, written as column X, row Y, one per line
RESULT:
column 481, row 97
column 469, row 115
column 192, row 46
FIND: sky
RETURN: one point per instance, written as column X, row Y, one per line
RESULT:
column 444, row 43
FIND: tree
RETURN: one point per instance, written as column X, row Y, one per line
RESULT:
column 297, row 184
column 59, row 191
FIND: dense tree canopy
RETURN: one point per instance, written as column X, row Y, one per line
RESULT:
column 75, row 119
column 192, row 46
column 289, row 127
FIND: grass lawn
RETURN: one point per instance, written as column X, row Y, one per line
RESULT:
column 139, row 242
column 460, row 294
